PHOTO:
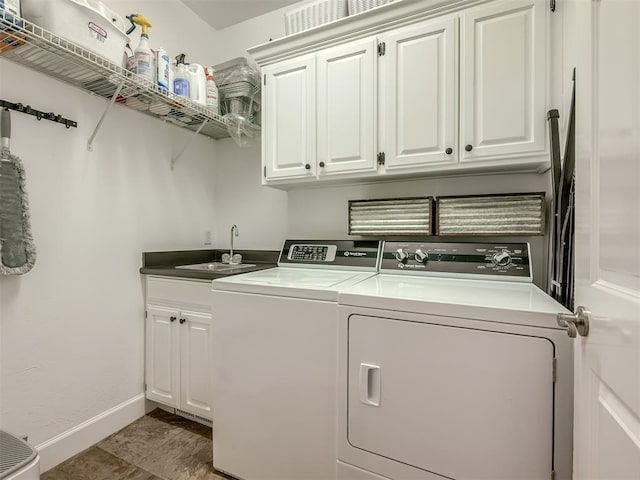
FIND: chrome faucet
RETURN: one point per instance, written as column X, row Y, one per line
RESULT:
column 234, row 229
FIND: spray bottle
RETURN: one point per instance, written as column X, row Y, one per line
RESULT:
column 212, row 91
column 181, row 80
column 143, row 56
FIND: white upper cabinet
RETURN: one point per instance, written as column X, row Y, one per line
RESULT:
column 418, row 98
column 406, row 90
column 503, row 79
column 346, row 102
column 289, row 121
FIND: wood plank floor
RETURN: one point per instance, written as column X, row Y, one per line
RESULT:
column 158, row 446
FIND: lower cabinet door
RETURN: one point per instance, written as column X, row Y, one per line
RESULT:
column 162, row 362
column 195, row 364
column 458, row 402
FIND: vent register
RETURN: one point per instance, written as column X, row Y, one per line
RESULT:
column 474, row 215
column 14, row 454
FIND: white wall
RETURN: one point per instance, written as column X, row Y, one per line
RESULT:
column 71, row 344
column 322, row 211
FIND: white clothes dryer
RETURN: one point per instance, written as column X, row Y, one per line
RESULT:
column 452, row 365
column 274, row 354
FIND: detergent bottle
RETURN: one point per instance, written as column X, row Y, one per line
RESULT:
column 181, row 78
column 143, row 56
column 163, row 69
column 198, row 83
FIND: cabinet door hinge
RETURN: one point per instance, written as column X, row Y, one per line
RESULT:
column 382, row 48
column 265, row 78
column 145, row 314
column 553, row 475
column 381, row 158
column 145, row 387
column 555, row 369
column 264, row 170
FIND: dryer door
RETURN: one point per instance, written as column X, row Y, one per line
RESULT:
column 457, row 402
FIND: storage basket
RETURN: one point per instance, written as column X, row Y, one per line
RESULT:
column 240, row 98
column 313, row 14
column 358, row 6
column 236, row 70
column 82, row 23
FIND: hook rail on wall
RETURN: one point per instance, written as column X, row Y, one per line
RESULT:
column 19, row 107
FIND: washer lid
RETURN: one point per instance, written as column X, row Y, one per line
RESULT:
column 317, row 284
column 507, row 302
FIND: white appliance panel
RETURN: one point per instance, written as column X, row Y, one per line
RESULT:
column 317, row 284
column 458, row 402
column 512, row 302
column 274, row 364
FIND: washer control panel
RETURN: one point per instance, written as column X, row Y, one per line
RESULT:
column 353, row 254
column 509, row 261
column 312, row 253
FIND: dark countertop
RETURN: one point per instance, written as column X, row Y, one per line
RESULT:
column 164, row 263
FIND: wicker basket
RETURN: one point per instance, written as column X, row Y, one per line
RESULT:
column 357, row 6
column 313, row 14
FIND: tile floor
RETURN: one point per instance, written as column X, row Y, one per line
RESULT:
column 158, row 446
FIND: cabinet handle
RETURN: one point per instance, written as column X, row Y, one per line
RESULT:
column 322, row 164
column 307, row 166
column 173, row 319
column 468, row 148
column 449, row 151
column 182, row 320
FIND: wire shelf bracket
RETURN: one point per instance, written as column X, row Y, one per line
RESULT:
column 175, row 158
column 104, row 115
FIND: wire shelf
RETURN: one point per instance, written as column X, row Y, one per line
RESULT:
column 28, row 44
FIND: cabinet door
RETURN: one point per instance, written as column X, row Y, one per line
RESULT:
column 195, row 363
column 162, row 369
column 288, row 138
column 418, row 114
column 503, row 80
column 347, row 108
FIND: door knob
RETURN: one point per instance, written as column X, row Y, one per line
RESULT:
column 449, row 151
column 468, row 148
column 307, row 166
column 182, row 320
column 575, row 322
column 173, row 319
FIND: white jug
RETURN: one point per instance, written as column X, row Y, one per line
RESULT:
column 198, row 83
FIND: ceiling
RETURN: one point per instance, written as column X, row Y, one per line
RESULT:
column 224, row 13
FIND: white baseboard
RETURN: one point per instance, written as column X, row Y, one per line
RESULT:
column 67, row 444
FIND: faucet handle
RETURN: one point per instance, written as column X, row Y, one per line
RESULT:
column 237, row 258
column 226, row 258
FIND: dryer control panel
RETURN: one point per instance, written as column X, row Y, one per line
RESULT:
column 504, row 261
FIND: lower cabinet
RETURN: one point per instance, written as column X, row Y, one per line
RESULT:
column 177, row 344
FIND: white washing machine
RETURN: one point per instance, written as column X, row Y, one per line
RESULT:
column 274, row 348
column 451, row 365
column 18, row 459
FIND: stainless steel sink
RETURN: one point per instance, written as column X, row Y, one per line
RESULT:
column 217, row 266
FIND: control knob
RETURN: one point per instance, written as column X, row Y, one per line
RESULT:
column 401, row 255
column 421, row 257
column 501, row 259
